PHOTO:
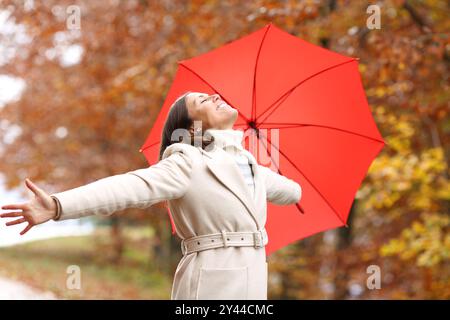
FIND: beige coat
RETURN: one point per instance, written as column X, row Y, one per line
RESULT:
column 207, row 194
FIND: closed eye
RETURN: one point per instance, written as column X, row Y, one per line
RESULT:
column 207, row 97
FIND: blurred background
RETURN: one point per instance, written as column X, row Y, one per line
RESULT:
column 81, row 83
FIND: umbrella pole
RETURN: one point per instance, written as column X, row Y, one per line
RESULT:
column 299, row 207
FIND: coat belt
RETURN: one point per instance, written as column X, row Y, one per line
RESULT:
column 257, row 239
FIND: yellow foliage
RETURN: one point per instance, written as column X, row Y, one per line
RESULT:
column 428, row 241
column 362, row 67
column 418, row 179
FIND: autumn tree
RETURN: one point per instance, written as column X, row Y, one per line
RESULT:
column 78, row 121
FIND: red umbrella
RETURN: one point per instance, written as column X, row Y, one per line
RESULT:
column 312, row 100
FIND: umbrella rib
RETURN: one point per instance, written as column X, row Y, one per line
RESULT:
column 297, row 125
column 299, row 207
column 253, row 112
column 310, row 182
column 142, row 149
column 195, row 73
column 287, row 93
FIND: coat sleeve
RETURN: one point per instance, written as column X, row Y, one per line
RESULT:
column 168, row 179
column 279, row 189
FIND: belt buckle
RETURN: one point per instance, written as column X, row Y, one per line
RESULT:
column 258, row 239
column 224, row 238
column 183, row 247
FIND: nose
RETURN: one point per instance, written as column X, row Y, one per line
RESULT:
column 215, row 97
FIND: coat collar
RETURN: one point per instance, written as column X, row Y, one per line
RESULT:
column 225, row 138
column 225, row 169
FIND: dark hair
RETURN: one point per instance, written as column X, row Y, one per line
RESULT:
column 178, row 118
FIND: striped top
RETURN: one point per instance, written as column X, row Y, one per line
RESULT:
column 231, row 141
column 246, row 170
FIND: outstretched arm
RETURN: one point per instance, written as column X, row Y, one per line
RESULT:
column 280, row 190
column 165, row 180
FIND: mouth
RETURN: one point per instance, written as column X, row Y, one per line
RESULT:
column 222, row 105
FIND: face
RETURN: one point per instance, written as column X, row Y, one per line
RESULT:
column 211, row 110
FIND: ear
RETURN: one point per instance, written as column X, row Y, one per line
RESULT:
column 191, row 130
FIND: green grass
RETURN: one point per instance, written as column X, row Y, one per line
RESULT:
column 42, row 264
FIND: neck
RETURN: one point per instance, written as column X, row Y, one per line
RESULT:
column 224, row 138
column 223, row 127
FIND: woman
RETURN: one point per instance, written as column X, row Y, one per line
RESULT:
column 216, row 192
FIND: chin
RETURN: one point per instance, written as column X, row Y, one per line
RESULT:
column 228, row 117
column 233, row 115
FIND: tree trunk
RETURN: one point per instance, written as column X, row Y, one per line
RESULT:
column 117, row 240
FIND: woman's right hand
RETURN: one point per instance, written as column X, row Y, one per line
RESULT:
column 40, row 209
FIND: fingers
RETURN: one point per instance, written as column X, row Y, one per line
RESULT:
column 36, row 190
column 11, row 214
column 11, row 223
column 28, row 227
column 21, row 206
column 17, row 221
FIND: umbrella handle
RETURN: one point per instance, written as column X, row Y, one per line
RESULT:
column 299, row 207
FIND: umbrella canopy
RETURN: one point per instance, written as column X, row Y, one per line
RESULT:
column 311, row 100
